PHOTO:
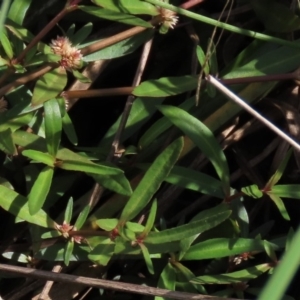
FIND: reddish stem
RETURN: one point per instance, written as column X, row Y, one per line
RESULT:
column 191, row 3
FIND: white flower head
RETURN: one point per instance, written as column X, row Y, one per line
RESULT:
column 70, row 56
column 169, row 18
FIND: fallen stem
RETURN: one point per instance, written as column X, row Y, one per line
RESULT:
column 250, row 110
column 246, row 32
column 98, row 92
column 105, row 284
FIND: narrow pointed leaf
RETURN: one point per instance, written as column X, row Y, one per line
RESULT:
column 107, row 224
column 284, row 272
column 18, row 206
column 5, row 43
column 190, row 229
column 234, row 277
column 252, row 191
column 203, row 138
column 151, row 218
column 115, row 16
column 195, row 181
column 116, row 183
column 69, row 129
column 53, row 125
column 152, row 180
column 6, row 142
column 287, row 190
column 38, row 156
column 167, row 280
column 68, row 252
column 69, row 211
column 68, row 160
column 147, row 258
column 278, row 174
column 82, row 34
column 280, row 205
column 82, row 218
column 40, row 190
column 166, row 86
column 134, row 7
column 222, row 247
column 18, row 10
column 49, row 86
column 202, row 59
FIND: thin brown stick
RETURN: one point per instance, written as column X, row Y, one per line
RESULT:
column 49, row 284
column 105, row 284
column 98, row 93
column 130, row 99
column 31, row 76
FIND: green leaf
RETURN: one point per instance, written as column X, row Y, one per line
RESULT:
column 166, row 86
column 195, row 181
column 103, row 251
column 121, row 48
column 82, row 218
column 107, row 224
column 203, row 138
column 141, row 111
column 190, row 229
column 56, row 253
column 114, row 16
column 186, row 274
column 6, row 142
column 151, row 219
column 116, row 183
column 49, row 86
column 284, row 272
column 234, row 277
column 81, row 77
column 278, row 174
column 167, row 280
column 20, row 32
column 287, row 191
column 147, row 258
column 5, row 43
column 135, row 227
column 134, row 7
column 18, row 10
column 40, row 190
column 152, row 180
column 270, row 250
column 19, row 257
column 68, row 252
column 69, row 160
column 276, row 16
column 81, row 34
column 252, row 191
column 69, row 129
column 69, row 211
column 202, row 59
column 18, row 206
column 222, row 247
column 38, row 156
column 51, row 234
column 280, row 205
column 162, row 125
column 53, row 125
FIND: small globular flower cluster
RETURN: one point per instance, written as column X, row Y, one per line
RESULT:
column 169, row 18
column 70, row 56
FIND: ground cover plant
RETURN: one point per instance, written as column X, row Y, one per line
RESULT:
column 127, row 169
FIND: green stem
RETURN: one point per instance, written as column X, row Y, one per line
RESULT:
column 225, row 26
